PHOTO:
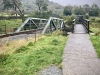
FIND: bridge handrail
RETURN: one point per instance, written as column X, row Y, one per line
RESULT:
column 51, row 21
column 85, row 22
column 49, row 24
column 26, row 21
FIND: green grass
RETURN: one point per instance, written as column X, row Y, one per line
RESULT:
column 11, row 25
column 29, row 59
column 95, row 27
column 96, row 42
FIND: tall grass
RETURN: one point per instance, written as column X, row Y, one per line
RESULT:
column 95, row 27
column 30, row 58
column 96, row 43
column 9, row 25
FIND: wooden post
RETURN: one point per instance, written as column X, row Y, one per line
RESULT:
column 88, row 26
column 5, row 29
column 30, row 26
column 35, row 35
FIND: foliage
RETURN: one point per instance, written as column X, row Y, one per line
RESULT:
column 86, row 16
column 86, row 8
column 43, row 10
column 70, row 19
column 22, row 49
column 30, row 44
column 11, row 25
column 79, row 11
column 42, row 4
column 67, row 10
column 95, row 27
column 96, row 43
column 95, row 10
column 34, row 58
column 9, row 4
column 45, row 14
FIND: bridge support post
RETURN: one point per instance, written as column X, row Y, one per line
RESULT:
column 88, row 25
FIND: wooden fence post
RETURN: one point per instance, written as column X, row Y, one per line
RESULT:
column 88, row 25
column 5, row 29
column 35, row 35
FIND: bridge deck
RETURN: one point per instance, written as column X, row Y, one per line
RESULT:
column 79, row 29
column 79, row 56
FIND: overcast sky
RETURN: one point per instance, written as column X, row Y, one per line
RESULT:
column 76, row 2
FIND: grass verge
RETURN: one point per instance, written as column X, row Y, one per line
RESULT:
column 95, row 27
column 29, row 59
column 96, row 42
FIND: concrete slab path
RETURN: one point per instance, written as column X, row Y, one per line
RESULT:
column 80, row 57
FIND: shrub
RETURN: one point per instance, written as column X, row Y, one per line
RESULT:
column 92, row 19
column 98, row 21
column 55, row 42
column 57, row 32
column 22, row 49
column 70, row 19
column 86, row 16
column 30, row 44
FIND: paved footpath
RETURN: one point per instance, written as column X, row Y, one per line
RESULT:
column 79, row 56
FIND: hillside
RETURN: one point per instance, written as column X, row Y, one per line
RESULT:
column 31, row 6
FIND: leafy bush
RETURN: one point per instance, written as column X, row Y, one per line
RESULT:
column 55, row 42
column 70, row 19
column 93, row 19
column 30, row 44
column 45, row 14
column 57, row 32
column 86, row 16
column 98, row 21
column 22, row 49
column 3, row 58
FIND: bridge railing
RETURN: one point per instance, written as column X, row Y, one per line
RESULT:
column 32, row 23
column 85, row 22
column 48, row 25
column 53, row 24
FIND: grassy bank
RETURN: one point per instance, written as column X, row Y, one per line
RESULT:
column 30, row 58
column 95, row 27
column 9, row 25
column 96, row 42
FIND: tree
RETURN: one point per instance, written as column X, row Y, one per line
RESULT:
column 94, row 10
column 86, row 8
column 79, row 10
column 39, row 3
column 68, row 10
column 42, row 4
column 10, row 5
column 14, row 4
column 42, row 7
column 20, row 11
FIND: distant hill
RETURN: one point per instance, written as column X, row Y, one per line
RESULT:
column 29, row 5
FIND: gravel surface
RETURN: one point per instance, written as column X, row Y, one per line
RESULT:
column 80, row 57
column 52, row 70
